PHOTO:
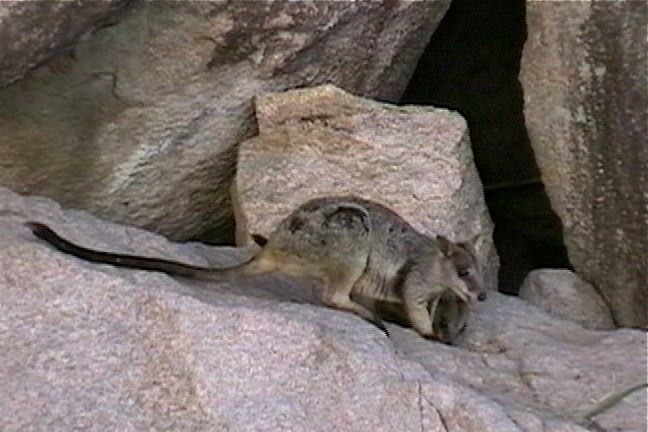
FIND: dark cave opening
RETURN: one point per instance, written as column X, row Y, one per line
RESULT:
column 471, row 65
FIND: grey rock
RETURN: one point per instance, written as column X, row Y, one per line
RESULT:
column 32, row 32
column 563, row 293
column 324, row 141
column 93, row 347
column 584, row 77
column 541, row 367
column 139, row 122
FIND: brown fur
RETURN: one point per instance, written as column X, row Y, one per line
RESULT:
column 352, row 247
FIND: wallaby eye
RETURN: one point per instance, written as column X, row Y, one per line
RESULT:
column 462, row 272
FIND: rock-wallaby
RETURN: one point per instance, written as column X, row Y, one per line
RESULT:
column 351, row 247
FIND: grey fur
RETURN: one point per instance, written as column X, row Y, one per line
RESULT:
column 360, row 252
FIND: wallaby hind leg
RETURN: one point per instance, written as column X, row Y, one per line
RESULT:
column 337, row 295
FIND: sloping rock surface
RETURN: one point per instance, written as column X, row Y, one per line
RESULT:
column 93, row 347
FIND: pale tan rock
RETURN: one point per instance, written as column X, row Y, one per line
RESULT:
column 139, row 123
column 563, row 293
column 584, row 77
column 323, row 141
column 93, row 347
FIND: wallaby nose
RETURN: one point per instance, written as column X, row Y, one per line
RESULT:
column 481, row 296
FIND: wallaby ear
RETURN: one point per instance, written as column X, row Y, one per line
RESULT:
column 445, row 245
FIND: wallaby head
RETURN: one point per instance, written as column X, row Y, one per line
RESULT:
column 450, row 317
column 463, row 259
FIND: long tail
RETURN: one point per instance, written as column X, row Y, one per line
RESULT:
column 44, row 232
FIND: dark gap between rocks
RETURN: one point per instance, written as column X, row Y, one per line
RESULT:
column 471, row 65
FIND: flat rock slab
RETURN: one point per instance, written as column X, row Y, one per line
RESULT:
column 93, row 347
column 324, row 141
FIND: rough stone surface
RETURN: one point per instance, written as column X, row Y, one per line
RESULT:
column 586, row 105
column 31, row 32
column 91, row 347
column 563, row 293
column 139, row 122
column 323, row 141
column 530, row 360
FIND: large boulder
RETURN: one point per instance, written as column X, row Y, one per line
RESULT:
column 563, row 293
column 32, row 32
column 584, row 77
column 324, row 141
column 93, row 347
column 139, row 122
